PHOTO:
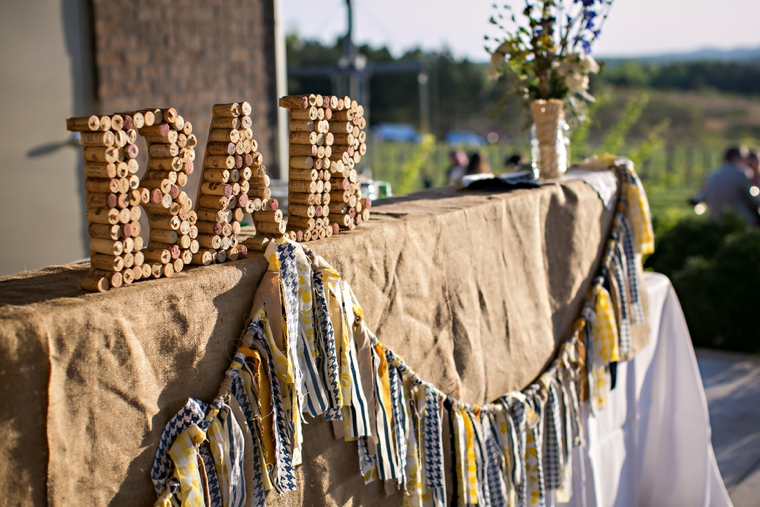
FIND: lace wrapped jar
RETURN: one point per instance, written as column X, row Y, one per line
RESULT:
column 549, row 145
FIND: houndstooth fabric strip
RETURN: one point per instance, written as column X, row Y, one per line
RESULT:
column 553, row 454
column 192, row 413
column 215, row 495
column 433, row 447
column 238, row 392
column 326, row 338
column 285, row 479
column 633, row 273
column 400, row 421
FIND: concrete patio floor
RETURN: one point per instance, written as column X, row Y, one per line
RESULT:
column 732, row 386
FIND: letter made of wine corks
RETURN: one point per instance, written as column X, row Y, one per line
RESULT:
column 234, row 182
column 116, row 197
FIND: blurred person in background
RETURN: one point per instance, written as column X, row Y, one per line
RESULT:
column 478, row 164
column 754, row 164
column 459, row 162
column 512, row 163
column 730, row 189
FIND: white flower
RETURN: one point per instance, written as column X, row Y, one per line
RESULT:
column 588, row 64
column 576, row 82
column 497, row 59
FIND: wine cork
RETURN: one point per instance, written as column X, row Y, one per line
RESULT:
column 302, row 210
column 224, row 135
column 295, row 222
column 165, row 223
column 227, row 110
column 304, row 114
column 128, row 276
column 341, row 127
column 163, row 150
column 225, row 122
column 101, row 200
column 115, row 279
column 260, row 193
column 129, row 260
column 210, row 188
column 153, row 254
column 107, row 262
column 162, row 184
column 268, row 216
column 203, row 258
column 303, row 174
column 246, row 122
column 209, row 228
column 156, row 269
column 94, row 282
column 101, row 154
column 165, row 164
column 105, row 231
column 219, row 216
column 105, row 139
column 302, row 126
column 304, row 138
column 271, row 227
column 308, row 187
column 220, row 162
column 226, row 229
column 223, row 149
column 305, row 198
column 257, row 243
column 215, row 202
column 304, row 150
column 108, row 216
column 89, row 123
column 206, row 241
column 106, row 246
column 156, row 130
column 100, row 170
column 295, row 102
column 164, row 236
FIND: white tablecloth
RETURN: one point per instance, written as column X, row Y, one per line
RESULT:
column 652, row 446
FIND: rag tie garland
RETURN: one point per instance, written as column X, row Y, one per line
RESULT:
column 307, row 350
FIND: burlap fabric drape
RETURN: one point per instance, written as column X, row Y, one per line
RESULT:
column 474, row 290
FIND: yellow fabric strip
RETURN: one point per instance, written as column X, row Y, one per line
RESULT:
column 470, row 463
column 184, row 454
column 639, row 214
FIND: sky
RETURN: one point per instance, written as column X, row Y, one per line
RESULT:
column 634, row 27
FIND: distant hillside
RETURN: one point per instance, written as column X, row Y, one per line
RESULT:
column 706, row 54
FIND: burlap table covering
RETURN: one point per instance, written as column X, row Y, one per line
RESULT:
column 473, row 289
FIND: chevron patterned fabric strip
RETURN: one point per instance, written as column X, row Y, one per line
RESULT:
column 330, row 369
column 520, row 425
column 617, row 270
column 400, row 420
column 633, row 266
column 387, row 464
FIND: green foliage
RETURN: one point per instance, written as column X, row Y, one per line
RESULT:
column 692, row 237
column 579, row 137
column 615, row 138
column 653, row 143
column 715, row 269
column 729, row 77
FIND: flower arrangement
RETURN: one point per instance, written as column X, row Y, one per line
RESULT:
column 546, row 54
